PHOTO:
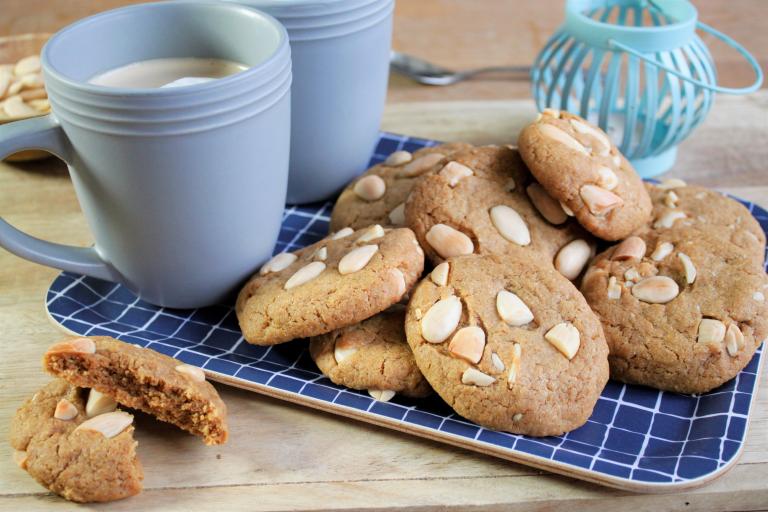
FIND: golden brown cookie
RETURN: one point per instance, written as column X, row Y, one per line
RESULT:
column 142, row 379
column 377, row 196
column 681, row 311
column 79, row 458
column 484, row 201
column 700, row 210
column 371, row 355
column 579, row 166
column 509, row 343
column 338, row 281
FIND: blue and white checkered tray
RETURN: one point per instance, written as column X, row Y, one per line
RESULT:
column 637, row 438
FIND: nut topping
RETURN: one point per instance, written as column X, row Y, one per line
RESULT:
column 553, row 132
column 734, row 340
column 758, row 296
column 510, row 224
column 514, row 365
column 381, row 395
column 711, row 331
column 439, row 275
column 305, row 274
column 400, row 277
column 342, row 233
column 441, row 320
column 670, row 200
column 631, row 274
column 512, row 309
column 496, row 361
column 321, row 254
column 398, row 158
column 607, row 178
column 599, row 201
column 454, row 172
column 572, row 257
column 668, row 219
column 690, row 270
column 586, row 129
column 370, row 188
column 671, row 183
column 633, row 248
column 448, row 241
column 662, row 250
column 75, row 346
column 99, row 403
column 193, row 372
column 278, row 262
column 468, row 343
column 65, row 410
column 565, row 208
column 565, row 338
column 656, row 290
column 357, row 259
column 548, row 207
column 108, row 424
column 372, row 233
column 345, row 346
column 474, row 377
column 614, row 289
column 420, row 165
column 397, row 215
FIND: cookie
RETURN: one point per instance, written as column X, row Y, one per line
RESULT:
column 377, row 196
column 338, row 281
column 579, row 166
column 697, row 209
column 371, row 355
column 484, row 201
column 509, row 343
column 79, row 458
column 681, row 311
column 142, row 379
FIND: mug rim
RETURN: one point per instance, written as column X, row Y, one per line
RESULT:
column 101, row 90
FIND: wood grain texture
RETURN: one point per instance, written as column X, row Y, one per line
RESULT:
column 286, row 457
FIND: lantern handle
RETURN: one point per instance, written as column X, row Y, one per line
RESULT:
column 614, row 45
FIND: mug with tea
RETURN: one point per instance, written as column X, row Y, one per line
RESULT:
column 177, row 143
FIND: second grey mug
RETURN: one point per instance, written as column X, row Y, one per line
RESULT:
column 183, row 188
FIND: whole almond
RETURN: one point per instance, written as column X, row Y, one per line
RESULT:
column 30, row 64
column 356, row 259
column 193, row 372
column 468, row 343
column 510, row 224
column 381, row 395
column 278, row 262
column 548, row 207
column 14, row 106
column 633, row 248
column 599, row 201
column 441, row 320
column 448, row 241
column 656, row 290
column 420, row 165
column 553, row 132
column 572, row 257
column 342, row 233
column 305, row 274
column 439, row 274
column 370, row 188
column 398, row 158
column 108, row 424
column 372, row 233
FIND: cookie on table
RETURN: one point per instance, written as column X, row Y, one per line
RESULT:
column 579, row 166
column 81, row 458
column 484, row 201
column 338, row 281
column 372, row 355
column 376, row 197
column 509, row 343
column 677, row 205
column 681, row 311
column 142, row 379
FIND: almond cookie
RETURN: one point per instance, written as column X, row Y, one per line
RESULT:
column 681, row 311
column 371, row 355
column 142, row 379
column 338, row 281
column 377, row 196
column 697, row 209
column 509, row 343
column 579, row 166
column 484, row 201
column 80, row 458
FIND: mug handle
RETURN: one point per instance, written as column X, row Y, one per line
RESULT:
column 45, row 133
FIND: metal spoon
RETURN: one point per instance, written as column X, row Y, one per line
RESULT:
column 430, row 74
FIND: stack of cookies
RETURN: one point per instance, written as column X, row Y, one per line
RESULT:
column 517, row 321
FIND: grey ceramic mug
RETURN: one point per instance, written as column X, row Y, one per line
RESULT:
column 183, row 188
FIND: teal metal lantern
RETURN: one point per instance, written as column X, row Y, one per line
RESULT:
column 638, row 69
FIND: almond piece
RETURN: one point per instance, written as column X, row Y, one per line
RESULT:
column 758, row 296
column 342, row 233
column 688, row 267
column 551, row 112
column 572, row 257
column 108, row 424
column 662, row 250
column 397, row 215
column 381, row 395
column 512, row 309
column 710, row 331
column 498, row 364
column 193, row 372
column 614, row 289
column 565, row 338
column 656, row 290
column 632, row 274
column 553, row 132
column 599, row 201
column 439, row 275
column 278, row 262
column 734, row 340
column 99, row 403
column 547, row 206
column 398, row 158
column 420, row 165
column 468, row 343
column 372, row 233
column 30, row 64
column 441, row 320
column 345, row 346
column 670, row 200
column 65, row 410
column 565, row 208
column 321, row 254
column 514, row 365
column 633, row 248
column 667, row 220
column 598, row 134
column 671, row 183
column 77, row 345
column 356, row 259
column 607, row 178
column 510, row 225
column 474, row 377
column 305, row 274
column 399, row 278
column 448, row 241
column 14, row 106
column 454, row 172
column 370, row 188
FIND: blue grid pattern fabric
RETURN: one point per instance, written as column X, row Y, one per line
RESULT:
column 636, row 436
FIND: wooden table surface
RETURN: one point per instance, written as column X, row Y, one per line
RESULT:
column 284, row 457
